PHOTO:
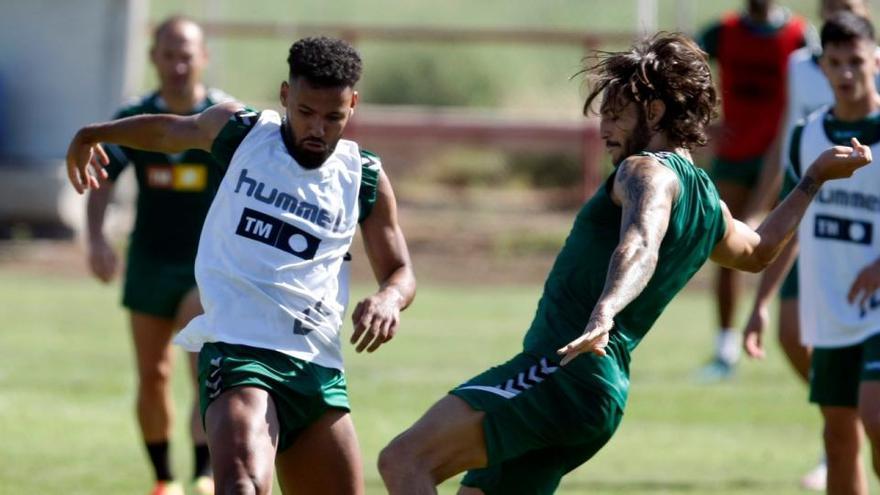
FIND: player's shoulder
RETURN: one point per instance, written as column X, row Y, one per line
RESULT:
column 370, row 160
column 367, row 159
column 646, row 166
column 816, row 117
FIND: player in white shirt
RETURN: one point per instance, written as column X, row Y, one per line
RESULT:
column 807, row 90
column 271, row 270
column 839, row 269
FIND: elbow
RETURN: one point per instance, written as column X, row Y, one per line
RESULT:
column 756, row 267
column 759, row 261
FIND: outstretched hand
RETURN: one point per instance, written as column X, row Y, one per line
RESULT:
column 839, row 162
column 83, row 154
column 594, row 339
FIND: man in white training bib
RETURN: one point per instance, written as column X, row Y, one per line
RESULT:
column 271, row 270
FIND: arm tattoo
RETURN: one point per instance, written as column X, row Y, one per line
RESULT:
column 647, row 204
column 809, row 186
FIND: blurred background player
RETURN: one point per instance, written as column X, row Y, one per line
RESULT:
column 807, row 90
column 751, row 49
column 174, row 193
column 840, row 268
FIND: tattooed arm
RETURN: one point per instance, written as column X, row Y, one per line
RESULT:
column 646, row 191
column 744, row 249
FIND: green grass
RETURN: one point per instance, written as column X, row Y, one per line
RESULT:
column 67, row 423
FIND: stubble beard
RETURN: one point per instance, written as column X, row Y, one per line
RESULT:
column 638, row 140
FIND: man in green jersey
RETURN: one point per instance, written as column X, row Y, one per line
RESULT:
column 520, row 426
column 174, row 193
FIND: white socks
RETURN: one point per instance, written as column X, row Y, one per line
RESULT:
column 727, row 345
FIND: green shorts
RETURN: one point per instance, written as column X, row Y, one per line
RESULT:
column 540, row 423
column 302, row 391
column 789, row 289
column 742, row 172
column 154, row 286
column 835, row 373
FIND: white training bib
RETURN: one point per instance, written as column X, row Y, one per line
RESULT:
column 272, row 247
column 838, row 237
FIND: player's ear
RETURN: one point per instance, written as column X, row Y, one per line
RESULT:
column 284, row 93
column 656, row 110
column 354, row 101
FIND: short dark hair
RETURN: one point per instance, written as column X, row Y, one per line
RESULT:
column 846, row 27
column 668, row 67
column 325, row 62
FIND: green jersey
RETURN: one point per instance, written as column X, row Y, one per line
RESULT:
column 174, row 191
column 577, row 278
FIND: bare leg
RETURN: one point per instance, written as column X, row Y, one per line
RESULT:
column 152, row 344
column 189, row 308
column 842, row 433
column 790, row 338
column 447, row 440
column 869, row 412
column 324, row 460
column 242, row 429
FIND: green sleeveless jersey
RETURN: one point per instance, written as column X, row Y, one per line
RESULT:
column 577, row 278
column 174, row 191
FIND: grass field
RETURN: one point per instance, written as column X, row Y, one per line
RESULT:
column 67, row 424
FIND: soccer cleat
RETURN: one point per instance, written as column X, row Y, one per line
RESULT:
column 167, row 488
column 203, row 485
column 718, row 370
column 816, row 479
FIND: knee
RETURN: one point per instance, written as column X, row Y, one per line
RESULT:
column 239, row 486
column 155, row 377
column 396, row 459
column 240, row 482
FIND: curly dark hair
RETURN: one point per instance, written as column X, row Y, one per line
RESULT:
column 325, row 62
column 668, row 67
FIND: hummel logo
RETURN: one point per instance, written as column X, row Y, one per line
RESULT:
column 523, row 381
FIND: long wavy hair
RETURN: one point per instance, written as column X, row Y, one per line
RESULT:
column 668, row 67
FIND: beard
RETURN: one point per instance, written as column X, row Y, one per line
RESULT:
column 638, row 140
column 312, row 159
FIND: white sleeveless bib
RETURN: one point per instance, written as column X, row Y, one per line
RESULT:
column 272, row 247
column 838, row 237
